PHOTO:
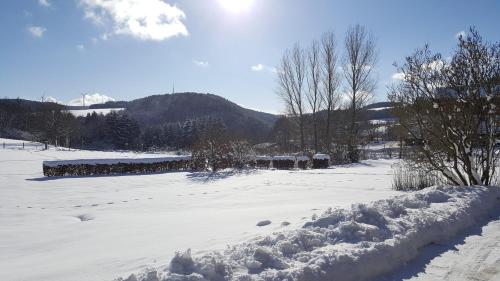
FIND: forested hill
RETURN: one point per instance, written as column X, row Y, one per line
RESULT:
column 159, row 110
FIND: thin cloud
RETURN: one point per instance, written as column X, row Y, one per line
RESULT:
column 80, row 47
column 51, row 99
column 36, row 31
column 91, row 99
column 44, row 3
column 258, row 67
column 142, row 19
column 102, row 37
column 261, row 67
column 200, row 63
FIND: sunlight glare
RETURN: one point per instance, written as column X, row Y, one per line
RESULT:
column 236, row 6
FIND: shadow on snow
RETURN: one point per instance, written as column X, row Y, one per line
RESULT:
column 434, row 250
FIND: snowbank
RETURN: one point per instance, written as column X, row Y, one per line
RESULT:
column 343, row 244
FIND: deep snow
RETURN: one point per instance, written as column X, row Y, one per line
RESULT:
column 359, row 243
column 101, row 228
column 471, row 255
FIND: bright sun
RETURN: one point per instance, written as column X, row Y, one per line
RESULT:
column 236, row 6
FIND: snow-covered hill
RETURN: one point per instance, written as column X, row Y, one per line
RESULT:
column 84, row 112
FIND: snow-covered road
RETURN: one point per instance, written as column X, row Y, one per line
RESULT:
column 472, row 256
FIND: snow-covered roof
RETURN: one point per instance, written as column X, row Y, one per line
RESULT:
column 115, row 161
column 321, row 156
column 284, row 157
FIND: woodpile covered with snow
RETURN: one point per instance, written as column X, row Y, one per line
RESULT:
column 321, row 161
column 89, row 167
column 302, row 162
column 284, row 162
column 263, row 162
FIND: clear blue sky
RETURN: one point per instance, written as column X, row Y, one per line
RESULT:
column 66, row 47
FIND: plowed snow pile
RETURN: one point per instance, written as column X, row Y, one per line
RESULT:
column 343, row 244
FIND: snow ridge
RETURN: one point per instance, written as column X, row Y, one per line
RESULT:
column 342, row 244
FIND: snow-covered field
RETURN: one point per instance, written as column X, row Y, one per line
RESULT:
column 380, row 145
column 101, row 228
column 359, row 243
column 84, row 112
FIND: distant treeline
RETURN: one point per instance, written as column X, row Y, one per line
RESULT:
column 51, row 123
column 171, row 122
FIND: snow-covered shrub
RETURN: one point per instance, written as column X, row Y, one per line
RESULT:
column 452, row 109
column 339, row 155
column 242, row 154
column 212, row 153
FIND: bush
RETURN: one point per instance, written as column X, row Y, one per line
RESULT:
column 407, row 177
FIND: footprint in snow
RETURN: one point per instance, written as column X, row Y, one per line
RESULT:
column 111, row 203
column 94, row 205
column 264, row 223
column 285, row 223
column 85, row 217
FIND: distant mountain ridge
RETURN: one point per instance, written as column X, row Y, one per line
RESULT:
column 157, row 110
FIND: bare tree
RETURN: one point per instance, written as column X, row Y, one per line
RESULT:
column 313, row 80
column 291, row 77
column 358, row 62
column 330, row 81
column 452, row 108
